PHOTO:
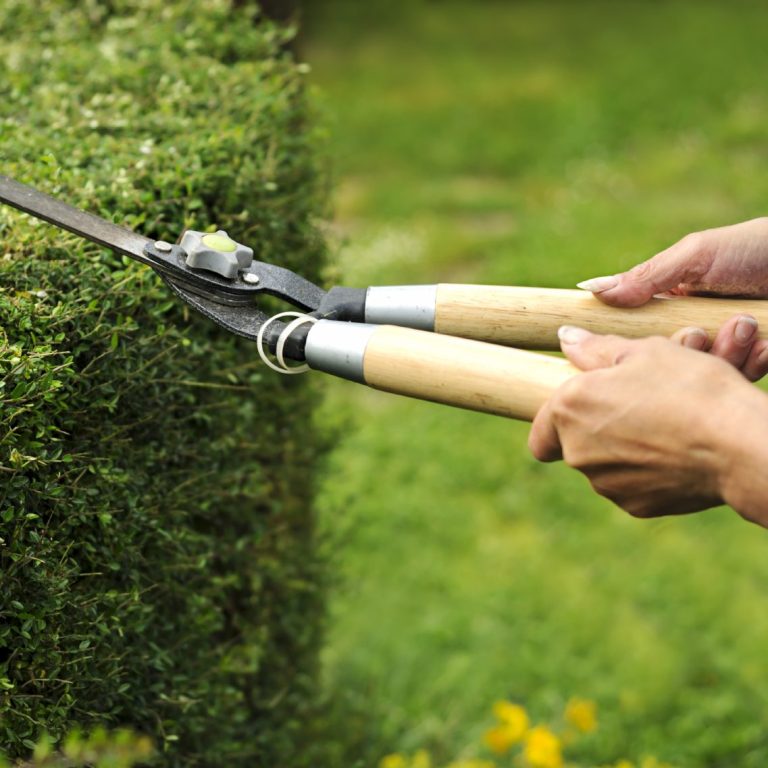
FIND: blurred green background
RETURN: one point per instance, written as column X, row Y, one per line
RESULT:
column 531, row 143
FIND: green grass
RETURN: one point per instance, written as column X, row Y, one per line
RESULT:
column 540, row 144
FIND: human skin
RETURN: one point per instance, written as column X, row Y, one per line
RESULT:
column 655, row 425
column 727, row 261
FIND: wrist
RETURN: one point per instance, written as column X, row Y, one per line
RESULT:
column 742, row 451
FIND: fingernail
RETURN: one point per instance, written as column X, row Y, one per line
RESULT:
column 745, row 329
column 570, row 334
column 599, row 284
column 695, row 339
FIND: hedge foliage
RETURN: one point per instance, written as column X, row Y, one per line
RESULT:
column 157, row 564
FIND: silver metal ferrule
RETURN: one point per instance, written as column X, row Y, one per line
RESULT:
column 412, row 306
column 338, row 348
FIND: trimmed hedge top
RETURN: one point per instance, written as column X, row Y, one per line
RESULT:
column 157, row 566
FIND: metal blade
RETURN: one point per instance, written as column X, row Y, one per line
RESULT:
column 217, row 297
column 242, row 320
column 67, row 217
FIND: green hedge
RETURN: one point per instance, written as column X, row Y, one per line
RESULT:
column 157, row 563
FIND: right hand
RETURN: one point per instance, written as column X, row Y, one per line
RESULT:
column 727, row 261
column 657, row 429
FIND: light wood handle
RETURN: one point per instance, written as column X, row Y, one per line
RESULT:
column 460, row 372
column 530, row 317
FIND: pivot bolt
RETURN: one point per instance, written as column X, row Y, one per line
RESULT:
column 163, row 246
column 251, row 278
column 216, row 252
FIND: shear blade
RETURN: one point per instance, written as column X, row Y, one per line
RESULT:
column 243, row 320
column 94, row 228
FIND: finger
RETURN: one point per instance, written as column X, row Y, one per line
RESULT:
column 734, row 340
column 757, row 363
column 684, row 262
column 691, row 337
column 589, row 351
column 543, row 440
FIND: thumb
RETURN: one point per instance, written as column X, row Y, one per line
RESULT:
column 589, row 351
column 684, row 262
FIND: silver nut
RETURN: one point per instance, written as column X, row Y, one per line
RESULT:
column 163, row 246
column 249, row 277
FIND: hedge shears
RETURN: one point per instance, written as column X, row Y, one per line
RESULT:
column 462, row 345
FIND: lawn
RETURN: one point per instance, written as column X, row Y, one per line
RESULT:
column 531, row 143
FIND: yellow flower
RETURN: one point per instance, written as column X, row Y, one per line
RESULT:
column 624, row 764
column 582, row 715
column 512, row 727
column 499, row 739
column 542, row 749
column 421, row 759
column 513, row 716
column 393, row 761
column 472, row 763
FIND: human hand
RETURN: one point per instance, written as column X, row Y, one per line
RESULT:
column 657, row 428
column 727, row 261
column 736, row 342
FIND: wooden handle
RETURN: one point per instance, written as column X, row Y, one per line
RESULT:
column 460, row 372
column 530, row 317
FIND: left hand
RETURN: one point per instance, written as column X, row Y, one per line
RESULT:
column 737, row 342
column 649, row 421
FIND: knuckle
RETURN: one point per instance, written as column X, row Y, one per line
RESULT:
column 696, row 242
column 536, row 447
column 701, row 248
column 600, row 487
column 607, row 490
column 611, row 488
column 642, row 271
column 641, row 349
column 568, row 398
column 637, row 507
